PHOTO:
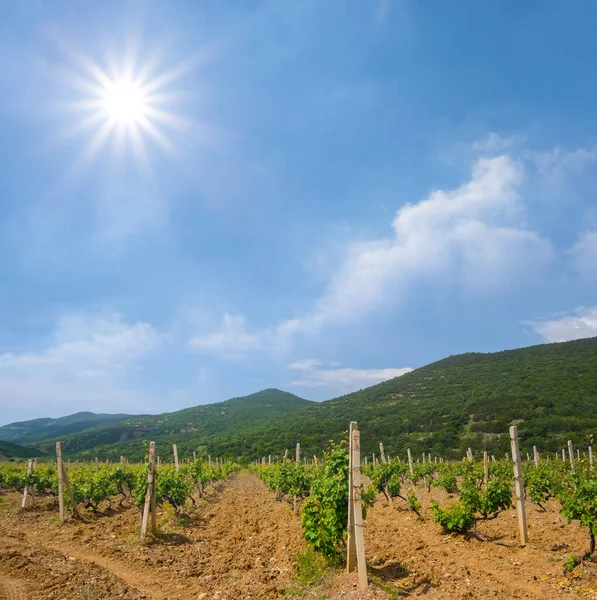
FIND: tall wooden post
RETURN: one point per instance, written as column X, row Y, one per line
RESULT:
column 485, row 469
column 536, row 456
column 519, row 487
column 60, row 481
column 150, row 495
column 571, row 454
column 26, row 490
column 356, row 526
column 298, row 452
column 351, row 548
column 175, row 450
column 590, row 456
column 382, row 454
column 410, row 462
column 194, row 456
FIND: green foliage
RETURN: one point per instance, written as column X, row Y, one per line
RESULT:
column 571, row 563
column 578, row 496
column 386, row 478
column 457, row 518
column 543, row 482
column 325, row 511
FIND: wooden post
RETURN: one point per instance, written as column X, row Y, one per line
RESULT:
column 571, row 454
column 423, row 457
column 355, row 500
column 590, row 456
column 410, row 462
column 351, row 548
column 382, row 453
column 60, row 481
column 149, row 507
column 298, row 452
column 269, row 460
column 286, row 454
column 175, row 450
column 520, row 507
column 563, row 455
column 536, row 456
column 578, row 453
column 469, row 453
column 194, row 456
column 29, row 469
column 492, row 458
column 71, row 496
column 485, row 469
column 263, row 461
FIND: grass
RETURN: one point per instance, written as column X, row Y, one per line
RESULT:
column 311, row 569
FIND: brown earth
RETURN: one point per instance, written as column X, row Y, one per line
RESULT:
column 414, row 556
column 241, row 543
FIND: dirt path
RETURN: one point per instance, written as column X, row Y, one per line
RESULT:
column 239, row 542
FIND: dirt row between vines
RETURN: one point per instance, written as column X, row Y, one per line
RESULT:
column 240, row 543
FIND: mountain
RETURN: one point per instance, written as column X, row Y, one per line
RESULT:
column 27, row 432
column 549, row 391
column 8, row 450
column 203, row 427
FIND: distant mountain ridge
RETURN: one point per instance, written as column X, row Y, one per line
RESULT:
column 27, row 432
column 471, row 399
column 188, row 428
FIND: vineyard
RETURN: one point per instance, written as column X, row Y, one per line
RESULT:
column 278, row 529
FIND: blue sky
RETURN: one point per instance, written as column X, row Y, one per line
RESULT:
column 312, row 195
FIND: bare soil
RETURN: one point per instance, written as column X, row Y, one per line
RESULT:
column 240, row 543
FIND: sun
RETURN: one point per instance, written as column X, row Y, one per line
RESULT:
column 125, row 102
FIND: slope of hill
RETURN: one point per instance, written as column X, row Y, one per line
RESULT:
column 189, row 428
column 550, row 391
column 27, row 432
column 9, row 450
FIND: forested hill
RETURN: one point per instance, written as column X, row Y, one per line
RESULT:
column 25, row 432
column 10, row 451
column 549, row 391
column 190, row 428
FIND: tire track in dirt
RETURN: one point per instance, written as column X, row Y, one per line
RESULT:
column 10, row 590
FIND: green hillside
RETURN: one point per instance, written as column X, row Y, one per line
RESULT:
column 27, row 432
column 549, row 391
column 203, row 427
column 10, row 451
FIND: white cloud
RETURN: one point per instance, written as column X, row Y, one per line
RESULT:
column 84, row 368
column 232, row 341
column 557, row 163
column 584, row 254
column 474, row 236
column 338, row 379
column 87, row 346
column 581, row 324
column 494, row 142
